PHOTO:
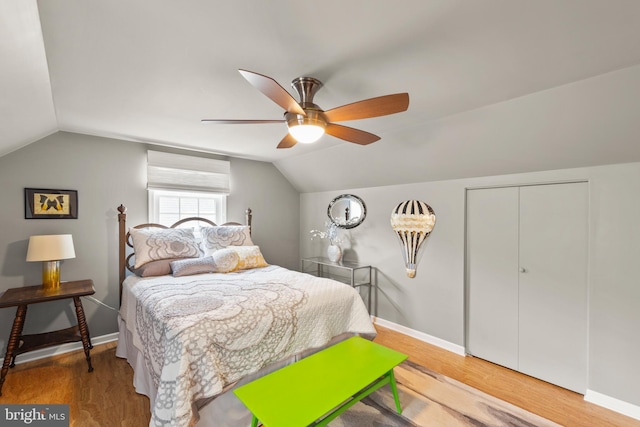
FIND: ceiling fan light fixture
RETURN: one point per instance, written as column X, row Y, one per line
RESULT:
column 306, row 129
column 306, row 134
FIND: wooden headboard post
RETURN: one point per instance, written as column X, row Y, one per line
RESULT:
column 122, row 243
column 123, row 234
column 247, row 218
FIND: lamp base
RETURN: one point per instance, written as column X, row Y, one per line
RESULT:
column 51, row 275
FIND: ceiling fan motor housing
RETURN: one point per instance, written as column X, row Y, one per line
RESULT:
column 306, row 88
column 314, row 117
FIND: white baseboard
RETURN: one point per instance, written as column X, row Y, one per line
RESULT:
column 620, row 406
column 63, row 348
column 438, row 342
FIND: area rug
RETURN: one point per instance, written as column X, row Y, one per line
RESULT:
column 431, row 399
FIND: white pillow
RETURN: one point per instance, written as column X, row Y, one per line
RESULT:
column 220, row 237
column 226, row 260
column 151, row 244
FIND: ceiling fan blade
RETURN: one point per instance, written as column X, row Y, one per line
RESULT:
column 287, row 142
column 350, row 134
column 373, row 107
column 274, row 91
column 240, row 122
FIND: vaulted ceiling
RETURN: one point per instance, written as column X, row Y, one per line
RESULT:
column 150, row 71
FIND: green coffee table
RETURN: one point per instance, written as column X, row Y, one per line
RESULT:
column 318, row 388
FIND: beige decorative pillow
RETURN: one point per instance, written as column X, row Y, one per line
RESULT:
column 220, row 237
column 151, row 244
column 226, row 260
column 249, row 257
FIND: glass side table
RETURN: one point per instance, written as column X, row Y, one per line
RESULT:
column 353, row 274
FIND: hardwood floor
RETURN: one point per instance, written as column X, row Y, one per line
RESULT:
column 554, row 403
column 102, row 398
column 106, row 397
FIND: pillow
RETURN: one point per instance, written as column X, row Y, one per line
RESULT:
column 159, row 267
column 191, row 266
column 249, row 257
column 151, row 244
column 222, row 261
column 226, row 260
column 214, row 238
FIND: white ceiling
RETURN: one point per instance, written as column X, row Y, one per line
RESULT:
column 149, row 71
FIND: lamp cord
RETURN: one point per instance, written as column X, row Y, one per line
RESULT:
column 97, row 301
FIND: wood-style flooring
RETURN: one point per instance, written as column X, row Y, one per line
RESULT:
column 554, row 403
column 106, row 397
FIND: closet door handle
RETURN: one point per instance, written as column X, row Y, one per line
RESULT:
column 523, row 270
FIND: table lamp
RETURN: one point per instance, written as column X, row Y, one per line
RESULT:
column 50, row 250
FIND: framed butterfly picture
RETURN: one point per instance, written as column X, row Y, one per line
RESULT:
column 50, row 204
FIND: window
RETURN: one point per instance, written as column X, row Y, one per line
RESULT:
column 186, row 186
column 166, row 207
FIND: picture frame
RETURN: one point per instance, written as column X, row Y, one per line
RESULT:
column 42, row 203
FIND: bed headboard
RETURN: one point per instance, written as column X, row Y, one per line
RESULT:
column 124, row 238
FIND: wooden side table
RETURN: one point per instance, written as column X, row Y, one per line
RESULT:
column 21, row 298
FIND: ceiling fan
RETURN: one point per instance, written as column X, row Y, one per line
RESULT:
column 307, row 122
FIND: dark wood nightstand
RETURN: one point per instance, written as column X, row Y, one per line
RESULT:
column 21, row 298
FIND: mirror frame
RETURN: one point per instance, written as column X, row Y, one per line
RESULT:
column 350, row 197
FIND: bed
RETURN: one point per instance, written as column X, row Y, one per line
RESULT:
column 202, row 312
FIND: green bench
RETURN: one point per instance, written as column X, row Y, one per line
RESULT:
column 318, row 388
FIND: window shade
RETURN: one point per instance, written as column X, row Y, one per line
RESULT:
column 187, row 173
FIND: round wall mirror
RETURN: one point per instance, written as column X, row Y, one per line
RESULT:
column 347, row 211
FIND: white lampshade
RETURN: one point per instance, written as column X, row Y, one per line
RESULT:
column 50, row 248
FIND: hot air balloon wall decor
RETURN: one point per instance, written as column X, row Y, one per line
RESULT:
column 412, row 221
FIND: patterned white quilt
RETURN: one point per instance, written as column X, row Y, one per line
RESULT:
column 199, row 334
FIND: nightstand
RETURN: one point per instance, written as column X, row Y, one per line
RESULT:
column 22, row 298
column 348, row 272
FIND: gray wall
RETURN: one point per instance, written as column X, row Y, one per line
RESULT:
column 107, row 173
column 433, row 302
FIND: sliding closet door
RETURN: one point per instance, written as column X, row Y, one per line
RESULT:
column 553, row 283
column 492, row 268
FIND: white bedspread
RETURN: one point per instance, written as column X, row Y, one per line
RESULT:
column 200, row 334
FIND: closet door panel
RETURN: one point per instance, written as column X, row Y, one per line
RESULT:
column 492, row 241
column 553, row 283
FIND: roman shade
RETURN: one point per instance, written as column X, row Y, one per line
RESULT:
column 167, row 171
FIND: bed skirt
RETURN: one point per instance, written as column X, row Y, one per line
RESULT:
column 223, row 410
